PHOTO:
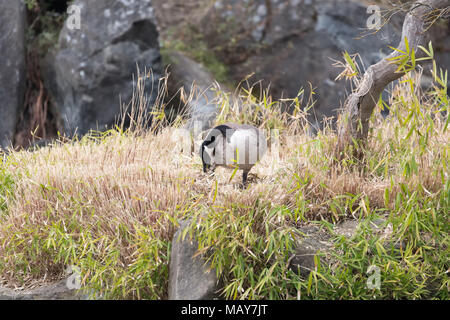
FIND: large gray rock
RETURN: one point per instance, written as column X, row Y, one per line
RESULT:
column 12, row 66
column 189, row 277
column 289, row 43
column 314, row 242
column 92, row 68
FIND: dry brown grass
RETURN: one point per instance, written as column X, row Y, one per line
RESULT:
column 129, row 181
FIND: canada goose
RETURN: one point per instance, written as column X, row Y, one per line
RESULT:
column 233, row 144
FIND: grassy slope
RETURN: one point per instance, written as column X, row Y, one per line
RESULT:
column 110, row 203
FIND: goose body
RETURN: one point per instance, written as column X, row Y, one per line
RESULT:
column 230, row 145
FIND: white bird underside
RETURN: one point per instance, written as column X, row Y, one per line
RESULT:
column 244, row 147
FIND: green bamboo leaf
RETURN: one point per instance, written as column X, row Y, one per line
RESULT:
column 425, row 50
column 310, row 280
column 350, row 62
column 430, row 47
column 398, row 50
column 386, row 197
column 413, row 59
column 407, row 45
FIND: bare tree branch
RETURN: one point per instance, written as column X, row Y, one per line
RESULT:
column 354, row 120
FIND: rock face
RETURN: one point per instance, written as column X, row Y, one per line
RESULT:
column 197, row 83
column 92, row 68
column 290, row 43
column 189, row 278
column 315, row 241
column 12, row 66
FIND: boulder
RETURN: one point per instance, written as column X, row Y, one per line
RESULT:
column 12, row 67
column 314, row 242
column 92, row 68
column 189, row 277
